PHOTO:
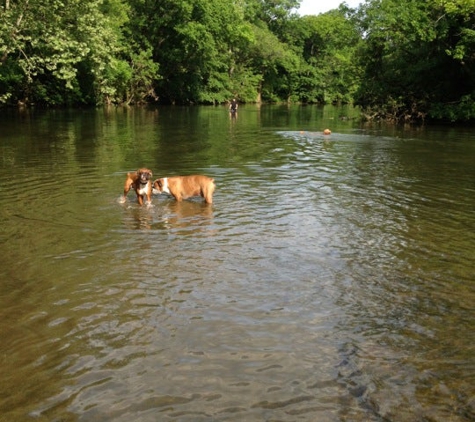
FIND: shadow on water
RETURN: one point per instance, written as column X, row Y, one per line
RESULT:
column 330, row 280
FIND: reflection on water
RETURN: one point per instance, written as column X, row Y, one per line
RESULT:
column 330, row 280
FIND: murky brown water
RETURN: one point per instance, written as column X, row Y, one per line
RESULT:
column 331, row 280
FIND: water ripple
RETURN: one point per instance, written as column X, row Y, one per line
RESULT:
column 331, row 279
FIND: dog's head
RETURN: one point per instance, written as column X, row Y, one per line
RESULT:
column 161, row 185
column 144, row 175
column 158, row 185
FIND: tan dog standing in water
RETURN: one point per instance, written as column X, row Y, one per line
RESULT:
column 141, row 181
column 182, row 187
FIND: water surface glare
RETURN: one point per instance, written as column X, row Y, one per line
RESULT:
column 330, row 280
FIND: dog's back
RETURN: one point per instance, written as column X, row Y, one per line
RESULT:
column 182, row 187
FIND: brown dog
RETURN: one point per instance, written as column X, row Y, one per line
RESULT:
column 182, row 187
column 140, row 181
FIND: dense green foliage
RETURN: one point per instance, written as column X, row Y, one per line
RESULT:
column 419, row 59
column 397, row 59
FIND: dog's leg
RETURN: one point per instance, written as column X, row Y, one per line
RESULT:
column 208, row 193
column 209, row 198
column 127, row 186
column 149, row 195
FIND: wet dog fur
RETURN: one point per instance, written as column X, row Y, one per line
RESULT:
column 141, row 182
column 183, row 187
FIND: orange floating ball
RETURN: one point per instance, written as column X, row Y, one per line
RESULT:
column 327, row 132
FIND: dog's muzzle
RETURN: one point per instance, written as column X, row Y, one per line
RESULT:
column 144, row 178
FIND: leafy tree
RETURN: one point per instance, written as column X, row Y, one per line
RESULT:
column 398, row 59
column 274, row 14
column 458, row 26
column 44, row 41
column 58, row 52
column 195, row 42
column 327, row 45
column 418, row 59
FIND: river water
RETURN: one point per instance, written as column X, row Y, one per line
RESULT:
column 332, row 279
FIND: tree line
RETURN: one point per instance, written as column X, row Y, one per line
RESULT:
column 402, row 60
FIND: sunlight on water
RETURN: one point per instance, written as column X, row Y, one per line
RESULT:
column 331, row 279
